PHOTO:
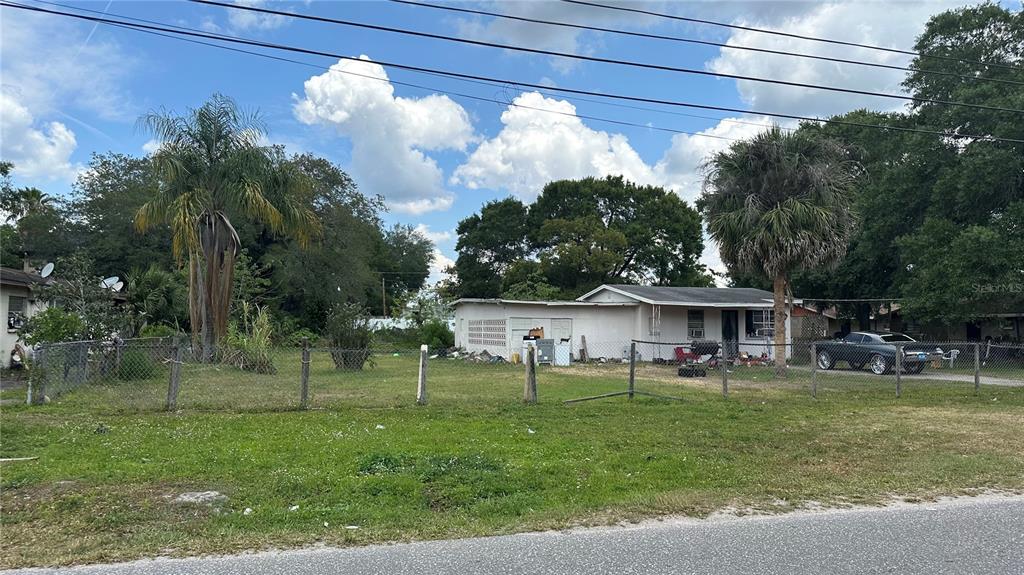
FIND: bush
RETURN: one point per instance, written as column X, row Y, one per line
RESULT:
column 247, row 346
column 295, row 338
column 348, row 335
column 135, row 364
column 437, row 335
column 52, row 325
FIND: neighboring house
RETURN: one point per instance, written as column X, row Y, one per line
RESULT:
column 609, row 317
column 17, row 303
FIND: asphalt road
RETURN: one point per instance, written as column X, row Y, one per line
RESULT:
column 978, row 536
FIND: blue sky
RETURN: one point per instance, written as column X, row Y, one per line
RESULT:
column 70, row 91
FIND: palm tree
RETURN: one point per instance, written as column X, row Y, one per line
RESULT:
column 210, row 165
column 779, row 203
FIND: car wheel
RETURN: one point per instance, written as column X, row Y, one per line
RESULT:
column 878, row 365
column 825, row 360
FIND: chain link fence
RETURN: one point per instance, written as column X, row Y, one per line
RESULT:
column 169, row 374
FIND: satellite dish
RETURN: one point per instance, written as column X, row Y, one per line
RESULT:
column 109, row 282
column 118, row 286
column 47, row 270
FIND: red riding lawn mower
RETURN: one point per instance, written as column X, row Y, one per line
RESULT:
column 692, row 362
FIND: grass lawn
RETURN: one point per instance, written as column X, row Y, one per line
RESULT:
column 474, row 461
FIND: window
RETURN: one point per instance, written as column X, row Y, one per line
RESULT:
column 695, row 323
column 760, row 322
column 16, row 309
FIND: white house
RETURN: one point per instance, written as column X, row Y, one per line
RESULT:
column 16, row 305
column 611, row 316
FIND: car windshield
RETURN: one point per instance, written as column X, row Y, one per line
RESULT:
column 889, row 337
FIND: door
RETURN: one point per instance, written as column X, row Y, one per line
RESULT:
column 730, row 333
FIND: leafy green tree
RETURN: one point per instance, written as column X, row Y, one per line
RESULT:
column 105, row 200
column 212, row 167
column 339, row 266
column 582, row 233
column 77, row 291
column 157, row 296
column 39, row 227
column 661, row 233
column 489, row 244
column 403, row 260
column 779, row 203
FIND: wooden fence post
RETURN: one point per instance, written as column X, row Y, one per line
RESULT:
column 530, row 386
column 899, row 369
column 977, row 367
column 814, row 369
column 175, row 380
column 632, row 368
column 304, row 385
column 421, row 387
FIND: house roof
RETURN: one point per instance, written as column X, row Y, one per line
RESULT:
column 690, row 296
column 544, row 302
column 11, row 276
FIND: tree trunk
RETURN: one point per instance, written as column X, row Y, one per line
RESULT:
column 779, row 288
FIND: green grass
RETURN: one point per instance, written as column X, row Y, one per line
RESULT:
column 474, row 461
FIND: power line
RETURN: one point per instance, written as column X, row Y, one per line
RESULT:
column 129, row 26
column 789, row 34
column 487, row 79
column 701, row 42
column 505, row 86
column 630, row 63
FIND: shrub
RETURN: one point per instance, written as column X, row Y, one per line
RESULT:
column 247, row 344
column 437, row 335
column 348, row 335
column 135, row 364
column 52, row 325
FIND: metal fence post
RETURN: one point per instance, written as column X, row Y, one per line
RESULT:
column 632, row 369
column 421, row 387
column 977, row 367
column 899, row 368
column 37, row 380
column 175, row 379
column 814, row 369
column 304, row 397
column 723, row 364
column 530, row 385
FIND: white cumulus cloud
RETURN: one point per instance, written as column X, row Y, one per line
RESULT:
column 435, row 236
column 892, row 25
column 536, row 146
column 242, row 20
column 38, row 150
column 390, row 134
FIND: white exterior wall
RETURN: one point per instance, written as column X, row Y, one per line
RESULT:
column 608, row 328
column 675, row 329
column 604, row 327
column 10, row 337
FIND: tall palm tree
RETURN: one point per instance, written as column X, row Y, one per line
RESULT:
column 779, row 203
column 210, row 165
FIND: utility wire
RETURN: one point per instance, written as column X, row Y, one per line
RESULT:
column 630, row 63
column 451, row 8
column 789, row 35
column 129, row 26
column 490, row 84
column 462, row 76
